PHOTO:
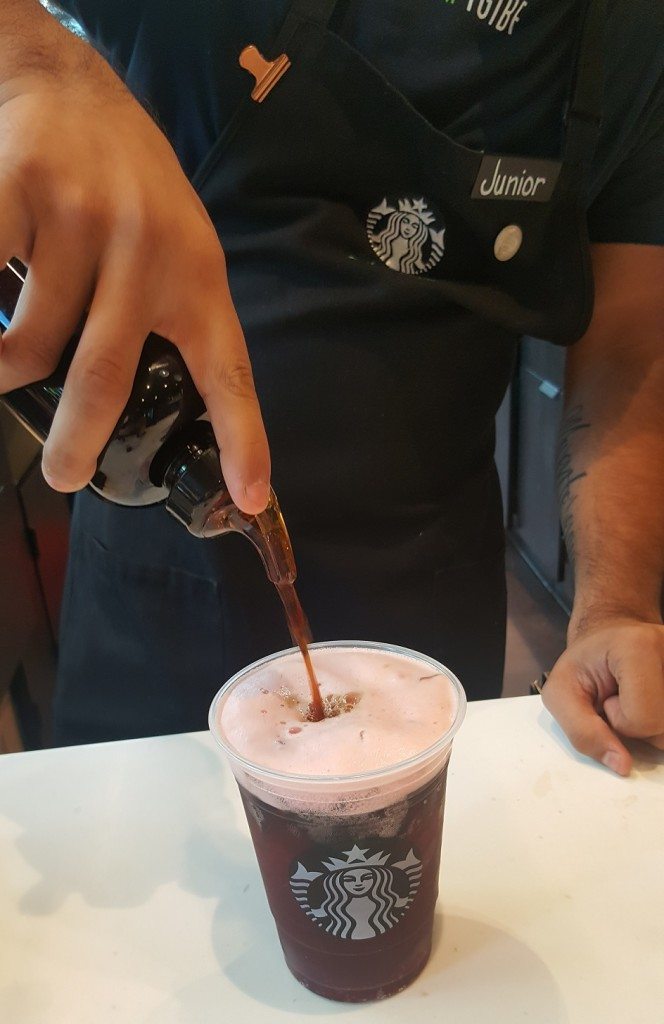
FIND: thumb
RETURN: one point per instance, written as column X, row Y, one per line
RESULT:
column 571, row 701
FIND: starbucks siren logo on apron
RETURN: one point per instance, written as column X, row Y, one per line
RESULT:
column 358, row 897
column 406, row 235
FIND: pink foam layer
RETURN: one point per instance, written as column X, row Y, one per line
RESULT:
column 404, row 707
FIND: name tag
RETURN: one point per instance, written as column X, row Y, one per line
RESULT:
column 516, row 177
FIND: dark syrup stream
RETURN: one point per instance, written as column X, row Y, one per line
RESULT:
column 300, row 631
column 267, row 532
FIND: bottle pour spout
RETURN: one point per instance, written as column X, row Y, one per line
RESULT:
column 199, row 498
column 266, row 531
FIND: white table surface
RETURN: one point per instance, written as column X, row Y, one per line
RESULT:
column 129, row 891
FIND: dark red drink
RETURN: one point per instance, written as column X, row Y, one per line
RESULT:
column 361, row 928
column 346, row 814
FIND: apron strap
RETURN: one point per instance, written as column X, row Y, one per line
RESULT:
column 584, row 111
column 317, row 12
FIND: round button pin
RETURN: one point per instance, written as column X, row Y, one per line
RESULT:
column 508, row 242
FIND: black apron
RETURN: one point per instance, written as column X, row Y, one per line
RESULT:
column 382, row 330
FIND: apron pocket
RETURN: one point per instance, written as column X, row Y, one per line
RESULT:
column 141, row 649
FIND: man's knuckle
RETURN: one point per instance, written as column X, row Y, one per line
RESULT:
column 209, row 267
column 36, row 356
column 80, row 207
column 649, row 722
column 237, row 379
column 650, row 641
column 202, row 245
column 137, row 238
column 140, row 223
column 33, row 169
column 101, row 373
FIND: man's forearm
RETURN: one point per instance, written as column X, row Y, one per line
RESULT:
column 33, row 42
column 611, row 459
column 611, row 507
column 24, row 35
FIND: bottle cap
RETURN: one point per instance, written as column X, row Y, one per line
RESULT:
column 195, row 480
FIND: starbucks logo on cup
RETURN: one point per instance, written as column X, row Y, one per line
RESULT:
column 359, row 894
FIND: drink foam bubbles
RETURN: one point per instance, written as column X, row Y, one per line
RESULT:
column 387, row 707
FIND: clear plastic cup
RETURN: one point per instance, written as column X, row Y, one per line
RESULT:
column 350, row 862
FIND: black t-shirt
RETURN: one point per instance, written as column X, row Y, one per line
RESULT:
column 494, row 74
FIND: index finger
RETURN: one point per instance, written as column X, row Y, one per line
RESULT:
column 217, row 358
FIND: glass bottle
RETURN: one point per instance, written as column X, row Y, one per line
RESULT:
column 162, row 449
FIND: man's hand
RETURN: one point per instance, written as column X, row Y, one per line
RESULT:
column 610, row 683
column 611, row 476
column 94, row 201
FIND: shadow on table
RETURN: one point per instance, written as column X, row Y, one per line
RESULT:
column 646, row 757
column 475, row 968
column 168, row 819
column 258, row 968
column 478, row 972
column 165, row 820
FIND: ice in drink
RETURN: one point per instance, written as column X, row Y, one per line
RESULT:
column 346, row 814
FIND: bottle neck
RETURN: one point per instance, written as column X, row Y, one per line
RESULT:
column 266, row 531
column 189, row 467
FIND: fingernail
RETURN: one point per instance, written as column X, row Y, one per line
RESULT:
column 613, row 761
column 258, row 493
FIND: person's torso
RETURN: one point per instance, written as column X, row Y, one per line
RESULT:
column 380, row 357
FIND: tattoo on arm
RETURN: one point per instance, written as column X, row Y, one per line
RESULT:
column 567, row 473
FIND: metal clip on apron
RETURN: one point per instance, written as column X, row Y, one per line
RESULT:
column 382, row 304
